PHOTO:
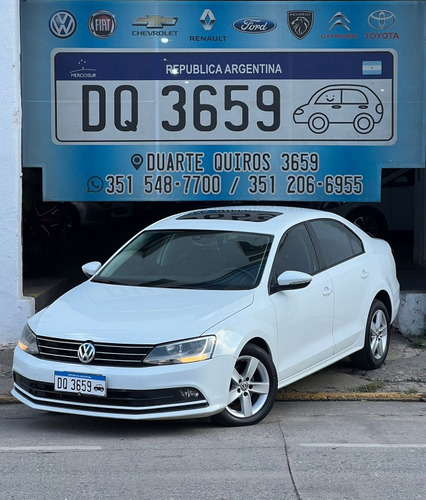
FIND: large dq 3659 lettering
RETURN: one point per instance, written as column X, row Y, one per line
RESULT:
column 202, row 108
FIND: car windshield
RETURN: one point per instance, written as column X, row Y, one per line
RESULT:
column 213, row 260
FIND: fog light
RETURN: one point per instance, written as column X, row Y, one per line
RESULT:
column 189, row 393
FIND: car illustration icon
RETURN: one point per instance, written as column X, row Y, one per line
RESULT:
column 343, row 104
column 99, row 388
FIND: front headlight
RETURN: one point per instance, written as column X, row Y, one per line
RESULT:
column 28, row 341
column 187, row 351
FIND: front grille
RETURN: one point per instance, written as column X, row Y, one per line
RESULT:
column 119, row 401
column 106, row 354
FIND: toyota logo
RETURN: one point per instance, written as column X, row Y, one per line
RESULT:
column 86, row 352
column 381, row 20
column 62, row 24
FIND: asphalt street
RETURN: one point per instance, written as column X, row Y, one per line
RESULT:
column 301, row 451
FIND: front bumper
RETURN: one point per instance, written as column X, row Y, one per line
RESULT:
column 157, row 392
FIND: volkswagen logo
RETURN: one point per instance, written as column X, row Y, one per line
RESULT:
column 86, row 352
column 381, row 20
column 62, row 24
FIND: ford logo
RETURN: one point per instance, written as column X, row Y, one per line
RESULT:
column 254, row 25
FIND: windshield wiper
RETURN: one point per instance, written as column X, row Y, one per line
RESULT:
column 107, row 281
column 160, row 282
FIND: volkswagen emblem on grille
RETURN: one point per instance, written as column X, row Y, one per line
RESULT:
column 86, row 352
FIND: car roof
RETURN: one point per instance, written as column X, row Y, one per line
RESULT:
column 268, row 219
column 344, row 86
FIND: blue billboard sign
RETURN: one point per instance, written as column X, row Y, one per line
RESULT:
column 215, row 102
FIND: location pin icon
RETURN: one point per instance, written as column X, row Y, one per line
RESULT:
column 137, row 161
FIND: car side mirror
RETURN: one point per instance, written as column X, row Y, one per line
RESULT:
column 291, row 280
column 91, row 268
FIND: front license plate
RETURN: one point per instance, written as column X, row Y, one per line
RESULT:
column 80, row 383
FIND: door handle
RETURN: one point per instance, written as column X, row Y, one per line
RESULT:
column 364, row 274
column 327, row 291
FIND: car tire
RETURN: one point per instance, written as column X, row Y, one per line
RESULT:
column 363, row 123
column 377, row 337
column 369, row 220
column 252, row 390
column 318, row 123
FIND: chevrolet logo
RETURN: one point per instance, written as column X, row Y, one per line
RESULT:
column 155, row 21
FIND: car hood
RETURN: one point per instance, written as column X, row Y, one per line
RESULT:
column 136, row 315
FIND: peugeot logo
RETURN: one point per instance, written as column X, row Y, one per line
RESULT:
column 300, row 22
column 62, row 24
column 86, row 352
column 381, row 20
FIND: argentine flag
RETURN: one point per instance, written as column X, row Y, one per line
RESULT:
column 371, row 67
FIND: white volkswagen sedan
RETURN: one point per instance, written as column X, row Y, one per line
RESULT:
column 207, row 313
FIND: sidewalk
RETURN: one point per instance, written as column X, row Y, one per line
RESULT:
column 401, row 378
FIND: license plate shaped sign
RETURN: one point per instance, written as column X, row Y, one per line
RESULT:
column 80, row 383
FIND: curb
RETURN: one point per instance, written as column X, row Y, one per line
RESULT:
column 350, row 396
column 318, row 396
column 7, row 400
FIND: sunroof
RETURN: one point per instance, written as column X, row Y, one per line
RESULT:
column 241, row 215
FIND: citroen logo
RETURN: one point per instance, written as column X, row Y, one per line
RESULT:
column 86, row 352
column 339, row 19
column 63, row 24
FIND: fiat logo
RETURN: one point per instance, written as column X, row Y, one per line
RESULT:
column 86, row 352
column 102, row 24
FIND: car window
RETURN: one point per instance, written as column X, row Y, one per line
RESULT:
column 337, row 243
column 330, row 97
column 354, row 97
column 296, row 252
column 356, row 243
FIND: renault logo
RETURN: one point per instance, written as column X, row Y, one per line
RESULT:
column 86, row 352
column 63, row 24
column 207, row 19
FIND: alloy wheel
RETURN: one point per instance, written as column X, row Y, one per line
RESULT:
column 249, row 388
column 378, row 334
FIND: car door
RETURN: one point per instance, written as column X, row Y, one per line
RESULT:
column 349, row 269
column 304, row 316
